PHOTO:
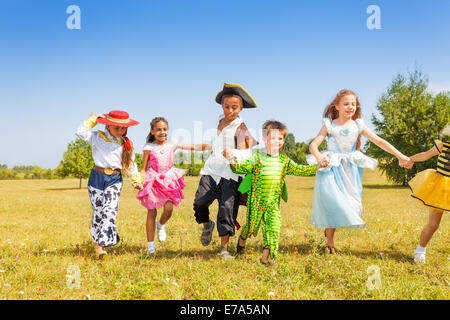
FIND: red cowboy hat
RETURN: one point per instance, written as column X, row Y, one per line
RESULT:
column 117, row 118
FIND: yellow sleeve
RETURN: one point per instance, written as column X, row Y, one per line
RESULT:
column 133, row 171
column 91, row 121
column 439, row 145
column 136, row 178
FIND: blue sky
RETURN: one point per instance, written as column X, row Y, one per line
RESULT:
column 170, row 58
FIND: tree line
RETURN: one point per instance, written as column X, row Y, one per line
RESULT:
column 409, row 117
column 26, row 172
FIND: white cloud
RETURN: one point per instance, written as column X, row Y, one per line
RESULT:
column 438, row 87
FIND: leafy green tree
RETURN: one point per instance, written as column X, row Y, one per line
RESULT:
column 49, row 174
column 192, row 168
column 77, row 160
column 6, row 173
column 179, row 158
column 138, row 160
column 410, row 118
column 19, row 176
column 297, row 151
column 37, row 172
column 289, row 146
column 26, row 170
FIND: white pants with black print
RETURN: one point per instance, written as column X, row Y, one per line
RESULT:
column 104, row 192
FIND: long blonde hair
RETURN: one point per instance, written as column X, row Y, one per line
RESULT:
column 127, row 155
column 332, row 113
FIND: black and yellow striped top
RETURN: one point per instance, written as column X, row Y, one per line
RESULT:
column 443, row 166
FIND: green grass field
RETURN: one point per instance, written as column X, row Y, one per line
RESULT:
column 44, row 228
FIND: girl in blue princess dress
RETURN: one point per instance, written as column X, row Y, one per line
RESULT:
column 338, row 185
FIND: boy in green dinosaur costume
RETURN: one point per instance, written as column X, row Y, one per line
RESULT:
column 265, row 184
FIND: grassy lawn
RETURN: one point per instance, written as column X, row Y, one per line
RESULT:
column 44, row 228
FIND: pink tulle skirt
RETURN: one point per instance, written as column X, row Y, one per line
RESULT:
column 162, row 187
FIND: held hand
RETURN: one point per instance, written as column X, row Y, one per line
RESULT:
column 137, row 186
column 410, row 164
column 407, row 164
column 227, row 153
column 404, row 162
column 323, row 162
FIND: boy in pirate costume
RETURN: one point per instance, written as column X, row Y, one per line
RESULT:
column 217, row 180
column 265, row 183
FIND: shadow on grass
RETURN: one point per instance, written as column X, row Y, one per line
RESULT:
column 83, row 249
column 65, row 189
column 306, row 249
column 383, row 186
column 387, row 255
column 304, row 188
column 303, row 249
column 368, row 186
column 86, row 250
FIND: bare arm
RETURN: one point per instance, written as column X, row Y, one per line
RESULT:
column 193, row 147
column 145, row 157
column 322, row 160
column 228, row 154
column 424, row 156
column 386, row 146
column 243, row 139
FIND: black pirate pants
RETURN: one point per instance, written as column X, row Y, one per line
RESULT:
column 226, row 194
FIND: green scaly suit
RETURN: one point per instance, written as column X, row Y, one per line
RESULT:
column 265, row 182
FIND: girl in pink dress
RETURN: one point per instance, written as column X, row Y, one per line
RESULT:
column 163, row 183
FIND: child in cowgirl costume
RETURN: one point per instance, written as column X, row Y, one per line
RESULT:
column 113, row 153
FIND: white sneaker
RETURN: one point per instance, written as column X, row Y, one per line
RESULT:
column 161, row 232
column 419, row 257
column 419, row 254
column 151, row 250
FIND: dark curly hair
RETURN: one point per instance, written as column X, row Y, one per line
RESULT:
column 150, row 137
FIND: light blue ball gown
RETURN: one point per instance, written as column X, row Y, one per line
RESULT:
column 338, row 187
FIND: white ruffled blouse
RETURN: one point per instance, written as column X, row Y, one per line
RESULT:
column 217, row 166
column 106, row 150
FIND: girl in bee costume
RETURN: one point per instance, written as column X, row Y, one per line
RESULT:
column 432, row 188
